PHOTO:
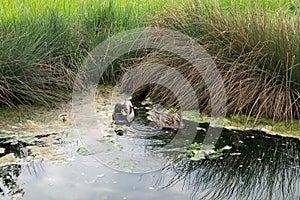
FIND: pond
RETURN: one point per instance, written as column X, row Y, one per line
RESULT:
column 257, row 166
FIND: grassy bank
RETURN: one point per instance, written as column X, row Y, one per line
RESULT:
column 43, row 42
column 255, row 45
column 256, row 48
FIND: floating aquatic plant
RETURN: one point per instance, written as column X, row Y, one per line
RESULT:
column 199, row 151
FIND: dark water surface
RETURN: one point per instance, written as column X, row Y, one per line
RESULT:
column 258, row 167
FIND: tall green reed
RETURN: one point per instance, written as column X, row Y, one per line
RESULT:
column 44, row 42
column 35, row 64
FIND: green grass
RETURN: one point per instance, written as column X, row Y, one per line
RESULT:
column 42, row 43
column 242, row 122
column 254, row 43
column 77, row 11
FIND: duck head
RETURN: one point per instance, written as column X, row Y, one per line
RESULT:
column 123, row 113
column 177, row 119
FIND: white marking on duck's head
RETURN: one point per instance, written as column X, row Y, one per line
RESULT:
column 128, row 107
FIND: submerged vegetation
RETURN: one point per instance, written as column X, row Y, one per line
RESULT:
column 254, row 44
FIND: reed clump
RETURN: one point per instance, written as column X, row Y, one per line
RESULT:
column 255, row 46
column 256, row 49
column 43, row 42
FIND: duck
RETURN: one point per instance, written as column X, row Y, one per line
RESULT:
column 123, row 113
column 164, row 120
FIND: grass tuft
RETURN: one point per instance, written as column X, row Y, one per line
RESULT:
column 42, row 43
column 256, row 49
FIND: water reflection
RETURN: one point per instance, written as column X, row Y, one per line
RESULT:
column 257, row 167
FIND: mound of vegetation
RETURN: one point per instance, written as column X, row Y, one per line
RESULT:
column 255, row 47
column 42, row 43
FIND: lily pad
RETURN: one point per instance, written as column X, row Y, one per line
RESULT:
column 83, row 151
column 198, row 151
column 124, row 164
column 198, row 155
column 119, row 129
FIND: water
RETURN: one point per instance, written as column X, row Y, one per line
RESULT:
column 258, row 166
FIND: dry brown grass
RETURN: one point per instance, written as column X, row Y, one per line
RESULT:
column 256, row 52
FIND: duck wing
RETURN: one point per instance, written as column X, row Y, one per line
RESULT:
column 163, row 120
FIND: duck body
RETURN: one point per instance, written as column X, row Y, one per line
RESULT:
column 123, row 113
column 164, row 120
